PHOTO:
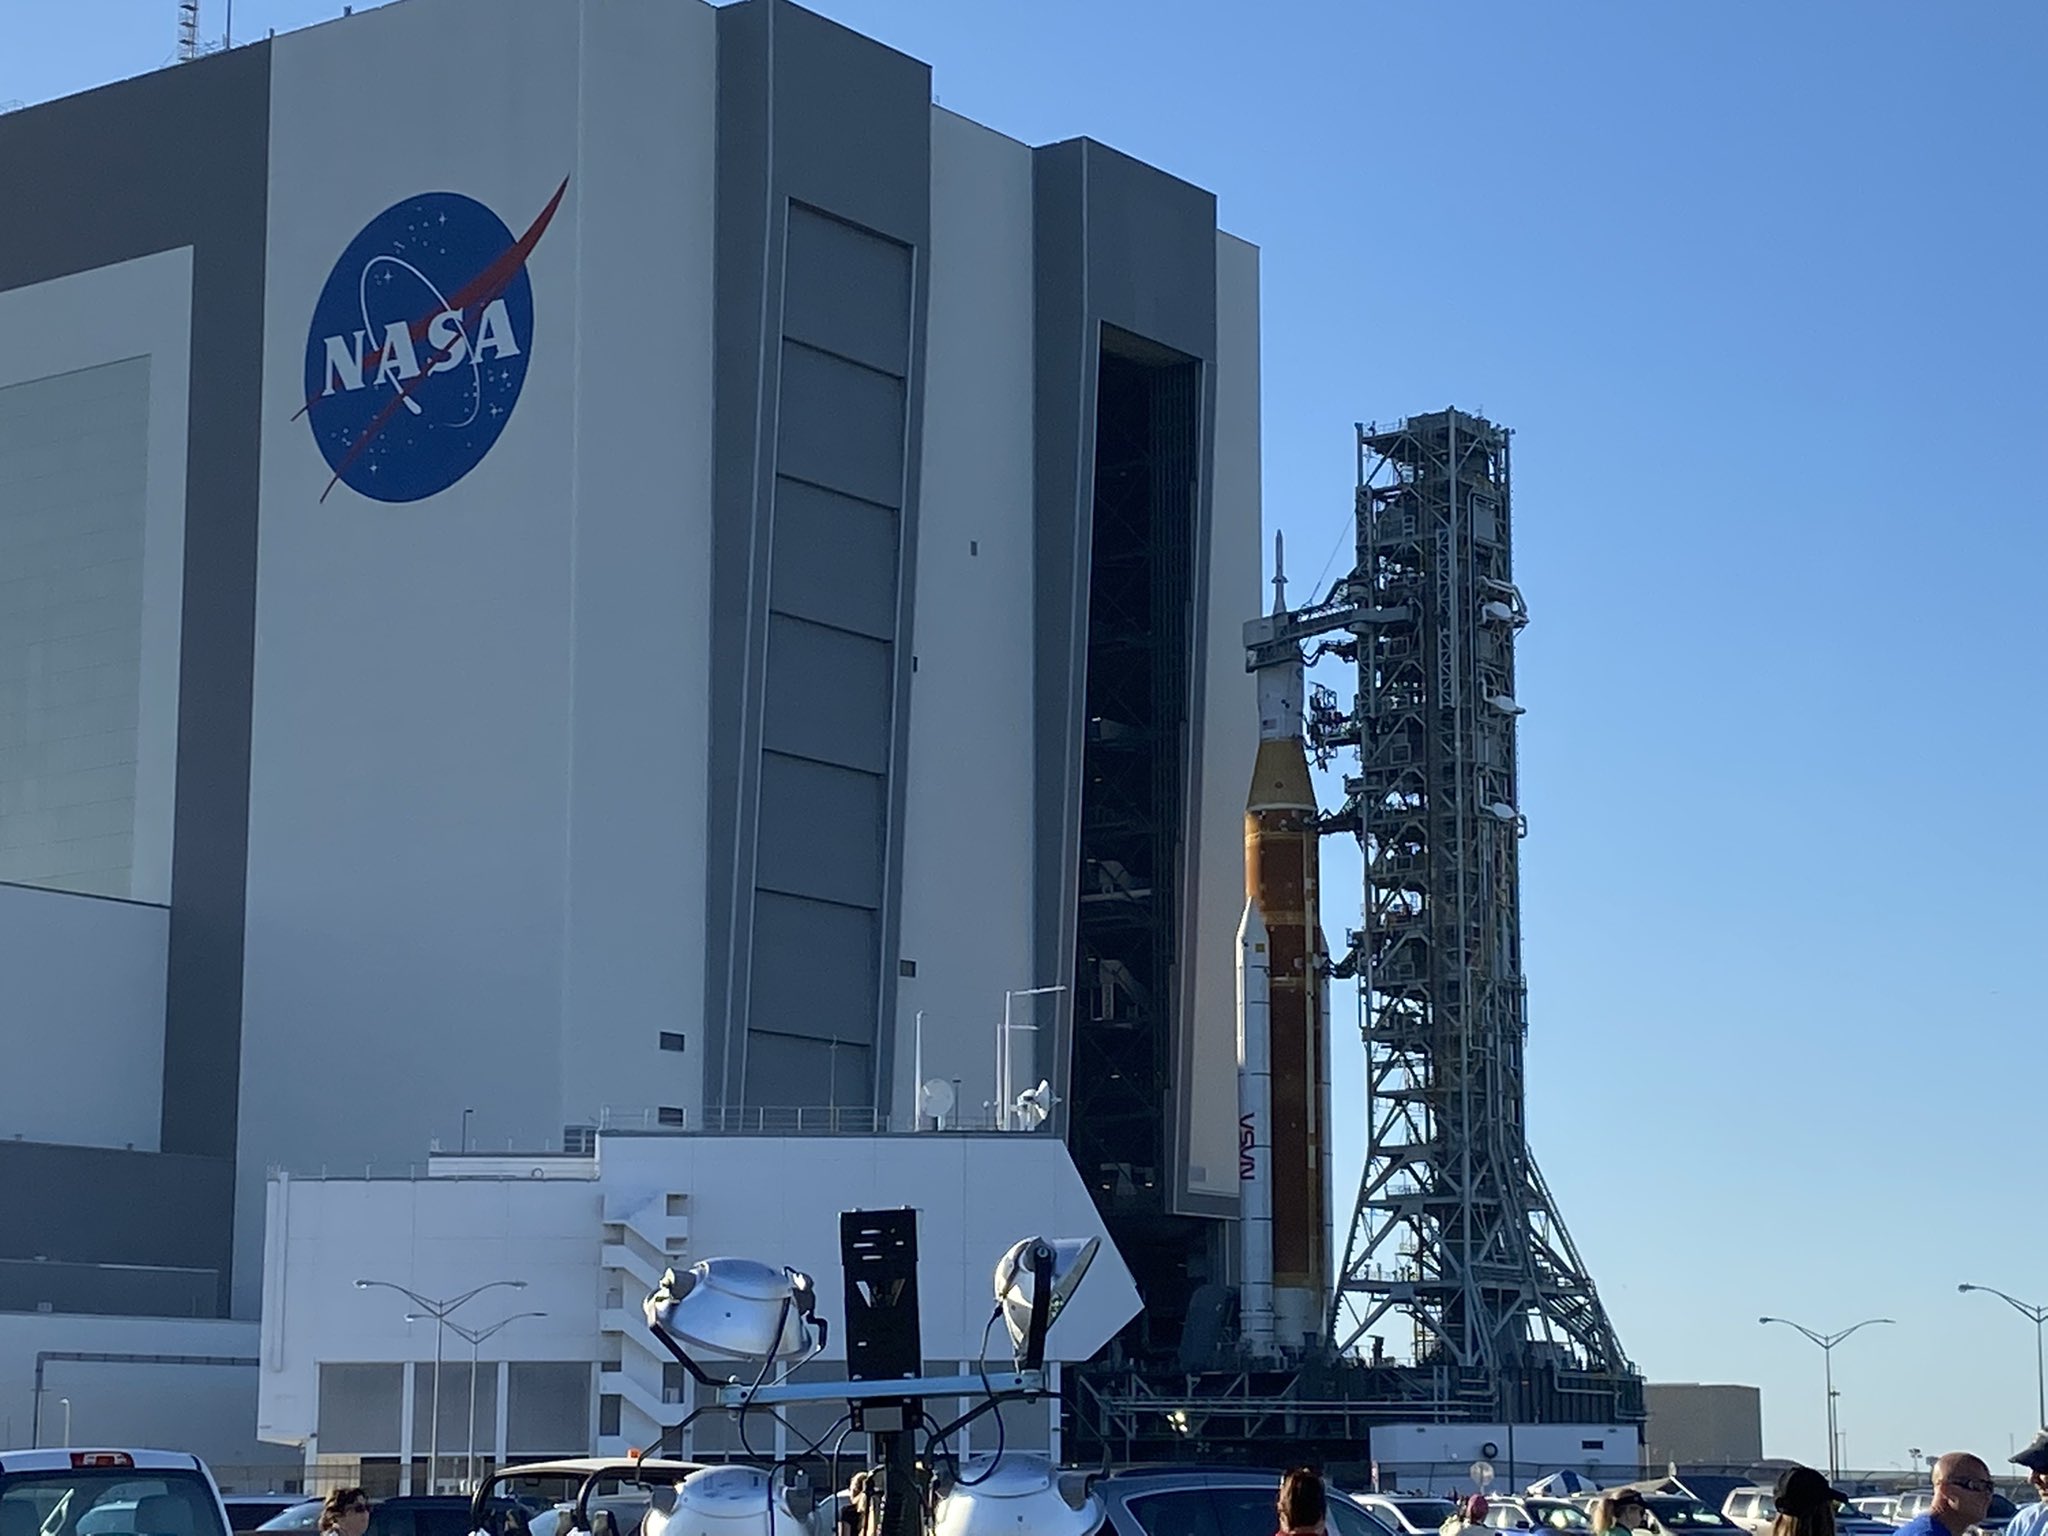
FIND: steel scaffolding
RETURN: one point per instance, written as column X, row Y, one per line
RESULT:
column 1453, row 1227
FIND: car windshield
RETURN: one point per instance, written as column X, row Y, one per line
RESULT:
column 300, row 1517
column 1559, row 1514
column 1686, row 1514
column 91, row 1501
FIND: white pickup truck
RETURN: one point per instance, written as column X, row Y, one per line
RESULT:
column 108, row 1493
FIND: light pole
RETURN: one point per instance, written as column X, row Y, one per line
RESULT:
column 2035, row 1315
column 475, row 1336
column 65, row 1404
column 438, row 1311
column 1003, row 1050
column 1827, row 1343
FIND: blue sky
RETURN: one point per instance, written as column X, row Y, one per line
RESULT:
column 1760, row 290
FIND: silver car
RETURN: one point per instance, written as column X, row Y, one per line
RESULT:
column 1163, row 1501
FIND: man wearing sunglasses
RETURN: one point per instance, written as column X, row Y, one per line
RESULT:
column 2032, row 1520
column 1962, row 1497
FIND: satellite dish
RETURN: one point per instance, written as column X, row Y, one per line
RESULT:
column 1506, row 704
column 1502, row 811
column 935, row 1098
column 1034, row 1105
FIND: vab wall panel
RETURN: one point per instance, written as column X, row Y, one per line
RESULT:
column 967, row 885
column 822, row 229
column 176, row 164
column 477, row 774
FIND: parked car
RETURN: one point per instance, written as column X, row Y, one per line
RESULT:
column 1156, row 1501
column 1529, row 1512
column 1407, row 1514
column 248, row 1511
column 1753, row 1508
column 1913, row 1505
column 108, row 1493
column 421, row 1514
column 1878, row 1506
column 1678, row 1515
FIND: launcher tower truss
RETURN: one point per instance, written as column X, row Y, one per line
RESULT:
column 1453, row 1228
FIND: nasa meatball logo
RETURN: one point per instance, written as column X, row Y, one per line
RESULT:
column 419, row 345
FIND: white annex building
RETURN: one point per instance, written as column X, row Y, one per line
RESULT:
column 569, row 1247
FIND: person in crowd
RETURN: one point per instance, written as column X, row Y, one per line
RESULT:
column 1468, row 1516
column 1622, row 1511
column 1806, row 1503
column 1303, row 1506
column 2032, row 1520
column 346, row 1513
column 1962, row 1496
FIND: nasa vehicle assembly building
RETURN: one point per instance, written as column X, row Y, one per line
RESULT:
column 604, row 565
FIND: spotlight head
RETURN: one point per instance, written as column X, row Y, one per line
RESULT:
column 735, row 1308
column 725, row 1501
column 1016, row 1279
column 1014, row 1495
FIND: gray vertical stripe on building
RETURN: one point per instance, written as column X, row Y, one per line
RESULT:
column 180, row 158
column 823, row 216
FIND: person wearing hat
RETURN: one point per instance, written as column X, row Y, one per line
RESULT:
column 1470, row 1515
column 1962, row 1496
column 1806, row 1504
column 1621, row 1511
column 2033, row 1520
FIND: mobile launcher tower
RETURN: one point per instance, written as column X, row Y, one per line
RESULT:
column 1453, row 1232
column 1453, row 1227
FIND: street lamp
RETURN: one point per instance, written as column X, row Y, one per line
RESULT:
column 2036, row 1315
column 1827, row 1343
column 475, row 1336
column 438, row 1311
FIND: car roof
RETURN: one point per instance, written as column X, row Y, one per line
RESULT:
column 583, row 1466
column 61, row 1461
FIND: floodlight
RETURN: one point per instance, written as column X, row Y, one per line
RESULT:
column 735, row 1307
column 725, row 1501
column 1014, row 1495
column 1016, row 1280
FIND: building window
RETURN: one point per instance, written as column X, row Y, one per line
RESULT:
column 906, row 967
column 671, row 1041
column 608, row 1414
column 668, row 1114
column 579, row 1140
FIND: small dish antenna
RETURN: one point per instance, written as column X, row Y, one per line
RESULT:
column 935, row 1098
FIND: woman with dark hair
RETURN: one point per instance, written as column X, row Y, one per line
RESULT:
column 1806, row 1504
column 1304, row 1507
column 346, row 1513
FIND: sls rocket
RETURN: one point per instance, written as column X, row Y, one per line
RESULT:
column 1283, row 1024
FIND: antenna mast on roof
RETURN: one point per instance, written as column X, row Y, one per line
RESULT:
column 188, row 31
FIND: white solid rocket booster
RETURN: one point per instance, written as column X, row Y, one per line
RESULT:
column 1255, row 1131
